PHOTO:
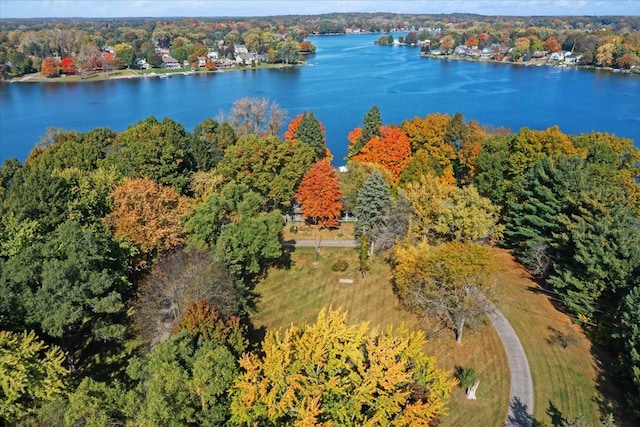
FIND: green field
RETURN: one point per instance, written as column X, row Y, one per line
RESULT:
column 564, row 379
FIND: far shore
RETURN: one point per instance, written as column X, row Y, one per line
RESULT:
column 136, row 74
column 534, row 62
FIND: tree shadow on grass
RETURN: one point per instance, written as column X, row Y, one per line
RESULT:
column 610, row 399
column 519, row 415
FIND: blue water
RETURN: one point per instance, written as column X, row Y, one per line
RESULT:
column 340, row 83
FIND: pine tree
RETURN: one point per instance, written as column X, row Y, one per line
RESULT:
column 311, row 132
column 372, row 123
column 372, row 205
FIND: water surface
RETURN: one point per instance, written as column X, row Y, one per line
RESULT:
column 340, row 83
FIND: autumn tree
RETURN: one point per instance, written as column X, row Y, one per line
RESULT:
column 443, row 212
column 149, row 215
column 256, row 116
column 446, row 44
column 32, row 374
column 319, row 195
column 126, row 53
column 391, row 150
column 68, row 66
column 49, row 67
column 551, row 45
column 446, row 282
column 471, row 42
column 329, row 372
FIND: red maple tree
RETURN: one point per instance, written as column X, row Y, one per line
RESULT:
column 68, row 66
column 319, row 195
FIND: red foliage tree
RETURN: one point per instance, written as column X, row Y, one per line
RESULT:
column 319, row 195
column 392, row 151
column 625, row 61
column 68, row 66
column 49, row 68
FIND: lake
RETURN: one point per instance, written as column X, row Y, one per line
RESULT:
column 346, row 76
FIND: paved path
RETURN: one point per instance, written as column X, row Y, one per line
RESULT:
column 323, row 243
column 521, row 394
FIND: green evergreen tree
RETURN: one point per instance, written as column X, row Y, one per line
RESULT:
column 372, row 205
column 575, row 223
column 627, row 336
column 311, row 133
column 372, row 122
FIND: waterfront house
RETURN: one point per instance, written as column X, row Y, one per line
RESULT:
column 170, row 62
column 240, row 49
column 557, row 56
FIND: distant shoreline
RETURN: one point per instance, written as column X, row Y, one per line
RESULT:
column 134, row 74
column 535, row 63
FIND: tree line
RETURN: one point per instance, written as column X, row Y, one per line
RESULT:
column 92, row 44
column 129, row 260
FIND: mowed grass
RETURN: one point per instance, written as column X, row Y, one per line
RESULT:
column 565, row 379
column 297, row 294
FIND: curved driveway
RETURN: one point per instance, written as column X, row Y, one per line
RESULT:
column 521, row 394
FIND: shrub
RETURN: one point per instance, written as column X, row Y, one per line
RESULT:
column 340, row 265
column 466, row 376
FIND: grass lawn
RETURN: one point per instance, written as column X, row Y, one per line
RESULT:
column 308, row 232
column 565, row 380
column 296, row 296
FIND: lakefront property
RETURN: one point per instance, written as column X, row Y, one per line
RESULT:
column 357, row 236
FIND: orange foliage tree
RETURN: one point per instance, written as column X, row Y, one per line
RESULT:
column 150, row 216
column 391, row 150
column 49, row 67
column 551, row 45
column 292, row 130
column 319, row 195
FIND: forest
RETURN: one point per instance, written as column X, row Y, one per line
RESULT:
column 129, row 263
column 70, row 46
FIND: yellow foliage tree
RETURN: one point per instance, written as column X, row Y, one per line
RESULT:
column 444, row 212
column 445, row 282
column 332, row 374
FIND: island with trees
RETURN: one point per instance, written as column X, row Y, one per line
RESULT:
column 156, row 276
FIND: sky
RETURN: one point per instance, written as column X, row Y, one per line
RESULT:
column 243, row 8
